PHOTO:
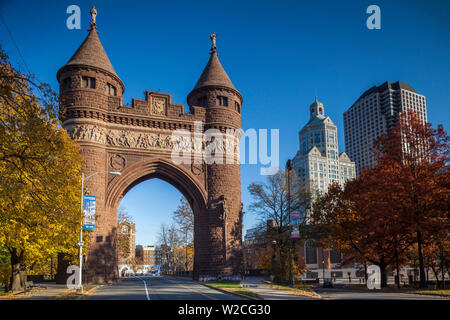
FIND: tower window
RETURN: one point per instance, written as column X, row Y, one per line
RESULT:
column 202, row 101
column 111, row 90
column 87, row 82
column 66, row 83
column 238, row 107
column 222, row 101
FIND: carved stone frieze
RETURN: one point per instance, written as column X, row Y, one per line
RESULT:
column 151, row 140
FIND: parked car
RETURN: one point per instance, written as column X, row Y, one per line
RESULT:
column 328, row 283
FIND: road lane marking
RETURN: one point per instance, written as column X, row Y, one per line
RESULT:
column 146, row 290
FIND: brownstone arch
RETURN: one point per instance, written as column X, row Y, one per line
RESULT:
column 137, row 141
column 177, row 176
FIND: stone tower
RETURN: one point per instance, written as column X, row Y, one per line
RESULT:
column 216, row 93
column 137, row 140
column 89, row 86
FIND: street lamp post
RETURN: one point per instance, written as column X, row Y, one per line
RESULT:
column 80, row 243
column 323, row 267
column 288, row 170
column 274, row 243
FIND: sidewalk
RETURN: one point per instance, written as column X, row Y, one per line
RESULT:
column 43, row 291
column 256, row 285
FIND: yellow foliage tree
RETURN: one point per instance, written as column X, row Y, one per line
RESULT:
column 274, row 261
column 39, row 174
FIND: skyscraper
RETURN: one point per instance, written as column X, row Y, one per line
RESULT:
column 318, row 162
column 373, row 114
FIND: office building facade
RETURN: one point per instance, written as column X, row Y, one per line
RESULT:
column 318, row 162
column 374, row 113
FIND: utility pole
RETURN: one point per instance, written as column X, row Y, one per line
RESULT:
column 288, row 178
column 80, row 243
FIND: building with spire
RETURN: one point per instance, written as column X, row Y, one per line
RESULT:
column 137, row 140
column 318, row 162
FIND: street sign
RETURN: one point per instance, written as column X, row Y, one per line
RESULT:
column 295, row 219
column 295, row 233
column 295, row 222
column 89, row 213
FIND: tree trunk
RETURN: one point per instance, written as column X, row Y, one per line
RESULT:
column 365, row 271
column 423, row 282
column 382, row 266
column 442, row 258
column 436, row 275
column 398, row 268
column 186, row 263
column 282, row 266
column 17, row 271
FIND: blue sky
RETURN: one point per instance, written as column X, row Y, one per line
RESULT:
column 277, row 53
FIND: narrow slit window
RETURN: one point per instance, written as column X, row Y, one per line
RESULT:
column 85, row 82
column 222, row 101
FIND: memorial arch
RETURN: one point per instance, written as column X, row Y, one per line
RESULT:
column 137, row 141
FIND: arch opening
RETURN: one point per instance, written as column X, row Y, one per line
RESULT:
column 178, row 177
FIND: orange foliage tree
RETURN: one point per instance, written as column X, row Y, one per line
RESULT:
column 400, row 201
column 418, row 156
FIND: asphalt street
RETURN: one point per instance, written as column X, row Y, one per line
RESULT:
column 158, row 288
column 171, row 288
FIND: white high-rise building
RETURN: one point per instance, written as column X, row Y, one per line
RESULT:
column 373, row 114
column 318, row 162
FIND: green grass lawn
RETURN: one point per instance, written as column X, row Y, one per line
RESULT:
column 224, row 284
column 233, row 286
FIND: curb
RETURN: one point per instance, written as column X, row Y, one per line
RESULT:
column 89, row 292
column 318, row 296
column 230, row 292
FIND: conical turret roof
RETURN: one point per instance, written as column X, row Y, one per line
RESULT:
column 92, row 54
column 214, row 74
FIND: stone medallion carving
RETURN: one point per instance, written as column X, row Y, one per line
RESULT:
column 196, row 169
column 158, row 106
column 117, row 162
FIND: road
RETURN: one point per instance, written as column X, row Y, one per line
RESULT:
column 158, row 288
column 171, row 288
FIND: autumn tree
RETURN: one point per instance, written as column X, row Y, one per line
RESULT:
column 274, row 259
column 125, row 227
column 168, row 242
column 358, row 221
column 183, row 218
column 419, row 156
column 39, row 174
column 270, row 202
column 401, row 201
